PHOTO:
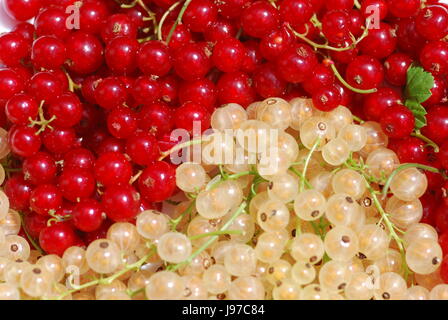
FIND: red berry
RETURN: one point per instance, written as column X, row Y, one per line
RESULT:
column 112, row 168
column 235, row 87
column 14, row 48
column 403, row 8
column 84, row 53
column 48, row 52
column 122, row 122
column 192, row 115
column 57, row 238
column 146, row 90
column 397, row 121
column 276, row 43
column 321, row 77
column 76, row 184
column 268, row 82
column 154, row 58
column 232, row 8
column 121, row 55
column 67, row 110
column 259, row 19
column 118, row 25
column 156, row 118
column 39, row 168
column 202, row 91
column 10, row 84
column 443, row 241
column 411, row 150
column 396, row 67
column 34, row 223
column 365, row 72
column 375, row 103
column 380, row 42
column 110, row 93
column 45, row 199
column 92, row 15
column 228, row 55
column 88, row 215
column 79, row 159
column 432, row 22
column 22, row 10
column 219, row 30
column 434, row 57
column 18, row 191
column 296, row 12
column 21, row 108
column 369, row 7
column 437, row 124
column 121, row 203
column 199, row 14
column 297, row 63
column 24, row 141
column 339, row 4
column 142, row 148
column 336, row 26
column 157, row 182
column 327, row 98
column 59, row 140
column 192, row 61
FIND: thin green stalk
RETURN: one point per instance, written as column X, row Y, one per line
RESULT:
column 401, row 168
column 211, row 240
column 346, row 84
column 25, row 230
column 301, row 177
column 307, row 162
column 178, row 20
column 162, row 20
column 174, row 223
column 179, row 147
column 428, row 141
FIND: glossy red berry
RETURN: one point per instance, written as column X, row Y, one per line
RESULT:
column 396, row 67
column 253, row 57
column 156, row 118
column 88, row 215
column 192, row 115
column 34, row 224
column 228, row 55
column 438, row 92
column 219, row 30
column 432, row 22
column 199, row 14
column 231, row 9
column 297, row 63
column 45, row 199
column 24, row 141
column 296, row 12
column 45, row 86
column 411, row 150
column 121, row 55
column 339, row 4
column 180, row 37
column 276, row 43
column 18, row 191
column 52, row 22
column 365, row 72
column 142, row 147
column 118, row 25
column 268, row 82
column 153, row 58
column 76, row 184
column 434, row 58
column 67, row 110
column 375, row 103
column 157, row 182
column 112, row 168
column 146, row 90
column 39, row 168
column 370, row 7
column 14, row 48
column 235, row 87
column 121, row 203
column 111, row 144
column 397, row 121
column 59, row 140
column 122, row 122
column 92, row 15
column 58, row 237
column 443, row 241
column 380, row 42
column 79, row 158
column 84, row 52
column 169, row 87
column 437, row 124
column 336, row 26
column 22, row 10
column 21, row 108
column 259, row 19
column 320, row 77
column 10, row 84
column 48, row 52
column 110, row 93
column 409, row 40
column 327, row 98
column 403, row 8
column 202, row 91
column 192, row 61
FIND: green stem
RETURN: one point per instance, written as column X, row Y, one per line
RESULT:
column 307, row 162
column 25, row 230
column 358, row 119
column 178, row 20
column 346, row 84
column 215, row 233
column 301, row 177
column 162, row 20
column 211, row 240
column 135, row 266
column 401, row 168
column 179, row 147
column 317, row 45
column 174, row 223
column 357, row 4
column 430, row 143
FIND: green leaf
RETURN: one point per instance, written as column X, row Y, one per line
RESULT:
column 418, row 90
column 419, row 113
column 419, row 84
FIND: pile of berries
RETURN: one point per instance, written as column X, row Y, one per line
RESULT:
column 91, row 91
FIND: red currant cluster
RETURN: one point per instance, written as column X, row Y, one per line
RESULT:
column 150, row 66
